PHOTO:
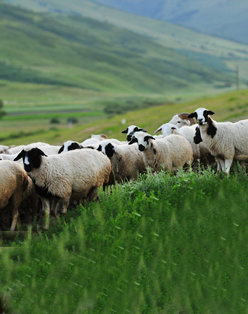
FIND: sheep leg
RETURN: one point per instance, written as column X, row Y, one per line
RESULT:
column 15, row 215
column 45, row 213
column 228, row 163
column 62, row 206
column 15, row 201
column 93, row 194
column 220, row 165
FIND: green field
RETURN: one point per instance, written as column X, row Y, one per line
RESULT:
column 164, row 244
column 23, row 129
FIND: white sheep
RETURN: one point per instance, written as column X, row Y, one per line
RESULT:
column 126, row 161
column 17, row 149
column 171, row 152
column 199, row 151
column 131, row 130
column 47, row 149
column 182, row 119
column 15, row 187
column 72, row 175
column 100, row 137
column 226, row 141
column 69, row 145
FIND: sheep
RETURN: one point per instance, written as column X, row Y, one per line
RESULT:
column 131, row 130
column 72, row 175
column 182, row 119
column 100, row 137
column 17, row 149
column 48, row 149
column 15, row 187
column 170, row 152
column 69, row 145
column 126, row 162
column 5, row 149
column 226, row 141
column 188, row 132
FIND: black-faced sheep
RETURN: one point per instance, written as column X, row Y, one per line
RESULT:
column 131, row 130
column 171, row 152
column 226, row 141
column 74, row 175
column 126, row 161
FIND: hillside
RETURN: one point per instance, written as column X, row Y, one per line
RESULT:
column 213, row 52
column 80, row 52
column 223, row 18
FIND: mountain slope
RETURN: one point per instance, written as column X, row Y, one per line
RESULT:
column 223, row 18
column 81, row 52
column 214, row 52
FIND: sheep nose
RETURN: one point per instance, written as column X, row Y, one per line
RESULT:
column 200, row 121
column 27, row 168
column 141, row 148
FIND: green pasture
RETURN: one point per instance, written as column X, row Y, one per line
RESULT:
column 22, row 128
column 164, row 244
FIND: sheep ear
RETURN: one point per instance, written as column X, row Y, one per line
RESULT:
column 20, row 155
column 143, row 130
column 158, row 130
column 40, row 152
column 146, row 138
column 125, row 131
column 209, row 112
column 192, row 115
column 134, row 140
column 61, row 149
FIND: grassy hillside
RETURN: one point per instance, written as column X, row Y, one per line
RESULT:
column 231, row 106
column 210, row 51
column 84, row 53
column 226, row 19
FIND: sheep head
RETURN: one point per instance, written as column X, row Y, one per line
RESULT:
column 201, row 115
column 142, row 139
column 131, row 130
column 69, row 145
column 31, row 158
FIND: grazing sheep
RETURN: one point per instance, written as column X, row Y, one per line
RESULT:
column 15, row 187
column 226, row 141
column 126, row 161
column 182, row 119
column 72, row 175
column 170, row 152
column 131, row 130
column 17, row 149
column 100, row 137
column 5, row 149
column 188, row 132
column 69, row 145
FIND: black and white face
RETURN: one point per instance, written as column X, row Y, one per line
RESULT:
column 131, row 130
column 107, row 149
column 201, row 115
column 31, row 158
column 142, row 139
column 68, row 145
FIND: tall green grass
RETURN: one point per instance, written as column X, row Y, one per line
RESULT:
column 162, row 244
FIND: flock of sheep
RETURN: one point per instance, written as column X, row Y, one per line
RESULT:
column 39, row 179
